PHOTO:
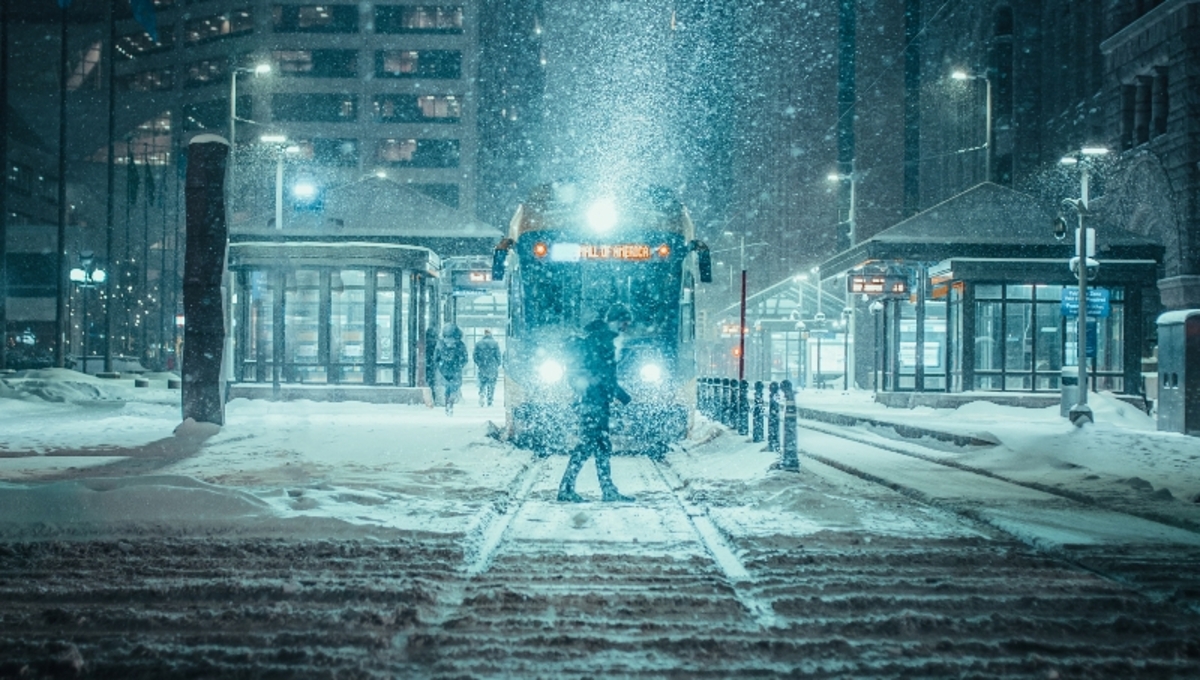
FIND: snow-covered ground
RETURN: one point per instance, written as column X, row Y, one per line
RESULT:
column 316, row 539
column 1122, row 452
column 82, row 456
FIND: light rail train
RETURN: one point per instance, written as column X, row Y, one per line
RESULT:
column 570, row 254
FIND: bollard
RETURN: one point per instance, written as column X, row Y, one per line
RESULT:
column 757, row 416
column 709, row 389
column 773, row 418
column 723, row 401
column 791, row 457
column 729, row 403
column 743, row 408
column 712, row 399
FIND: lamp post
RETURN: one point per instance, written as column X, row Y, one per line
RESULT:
column 847, row 323
column 851, row 218
column 800, row 326
column 987, row 143
column 86, row 276
column 1081, row 413
column 282, row 148
column 816, row 271
column 742, row 328
column 261, row 69
column 876, row 311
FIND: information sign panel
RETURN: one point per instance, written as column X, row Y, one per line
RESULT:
column 1098, row 302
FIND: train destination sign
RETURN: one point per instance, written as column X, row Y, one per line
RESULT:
column 624, row 251
column 573, row 252
column 877, row 284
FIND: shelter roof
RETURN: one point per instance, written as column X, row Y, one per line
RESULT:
column 376, row 209
column 987, row 220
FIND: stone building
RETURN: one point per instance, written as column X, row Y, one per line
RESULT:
column 1152, row 115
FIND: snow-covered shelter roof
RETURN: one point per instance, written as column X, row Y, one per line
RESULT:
column 375, row 209
column 987, row 221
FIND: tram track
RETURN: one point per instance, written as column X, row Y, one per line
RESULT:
column 1086, row 499
column 1151, row 563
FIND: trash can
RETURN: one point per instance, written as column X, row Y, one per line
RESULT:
column 1069, row 381
column 1179, row 371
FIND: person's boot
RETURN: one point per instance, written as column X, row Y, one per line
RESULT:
column 566, row 488
column 608, row 490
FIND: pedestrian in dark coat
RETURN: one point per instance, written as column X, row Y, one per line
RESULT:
column 596, row 385
column 451, row 358
column 487, row 366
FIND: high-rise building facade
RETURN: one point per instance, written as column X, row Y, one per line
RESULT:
column 358, row 87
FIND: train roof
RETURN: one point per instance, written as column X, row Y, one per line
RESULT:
column 564, row 206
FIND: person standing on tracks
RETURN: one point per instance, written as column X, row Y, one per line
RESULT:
column 487, row 366
column 451, row 358
column 597, row 387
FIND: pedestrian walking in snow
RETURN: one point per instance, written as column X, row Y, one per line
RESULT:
column 451, row 358
column 487, row 366
column 596, row 384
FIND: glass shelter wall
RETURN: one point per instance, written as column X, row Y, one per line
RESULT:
column 338, row 325
column 996, row 336
column 1022, row 339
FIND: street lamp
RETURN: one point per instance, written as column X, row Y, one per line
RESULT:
column 259, row 70
column 802, row 359
column 876, row 308
column 847, row 324
column 282, row 148
column 987, row 142
column 816, row 271
column 851, row 218
column 742, row 332
column 87, row 276
column 1081, row 413
column 800, row 279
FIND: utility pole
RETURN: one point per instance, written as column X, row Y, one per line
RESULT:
column 4, row 185
column 61, row 322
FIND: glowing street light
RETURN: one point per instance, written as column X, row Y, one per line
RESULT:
column 258, row 70
column 962, row 75
column 87, row 275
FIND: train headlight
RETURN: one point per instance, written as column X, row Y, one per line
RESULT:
column 651, row 373
column 602, row 215
column 550, row 371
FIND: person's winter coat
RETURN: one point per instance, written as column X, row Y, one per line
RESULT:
column 451, row 355
column 487, row 357
column 596, row 377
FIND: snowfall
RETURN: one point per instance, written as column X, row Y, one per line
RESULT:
column 85, row 458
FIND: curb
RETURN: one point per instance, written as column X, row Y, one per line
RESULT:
column 908, row 431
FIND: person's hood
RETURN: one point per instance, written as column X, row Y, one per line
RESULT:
column 452, row 332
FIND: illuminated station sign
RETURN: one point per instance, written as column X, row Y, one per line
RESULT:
column 624, row 251
column 473, row 282
column 877, row 284
column 574, row 252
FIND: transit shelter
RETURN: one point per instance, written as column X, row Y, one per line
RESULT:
column 989, row 300
column 346, row 296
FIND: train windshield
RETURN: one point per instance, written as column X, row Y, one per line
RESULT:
column 572, row 295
